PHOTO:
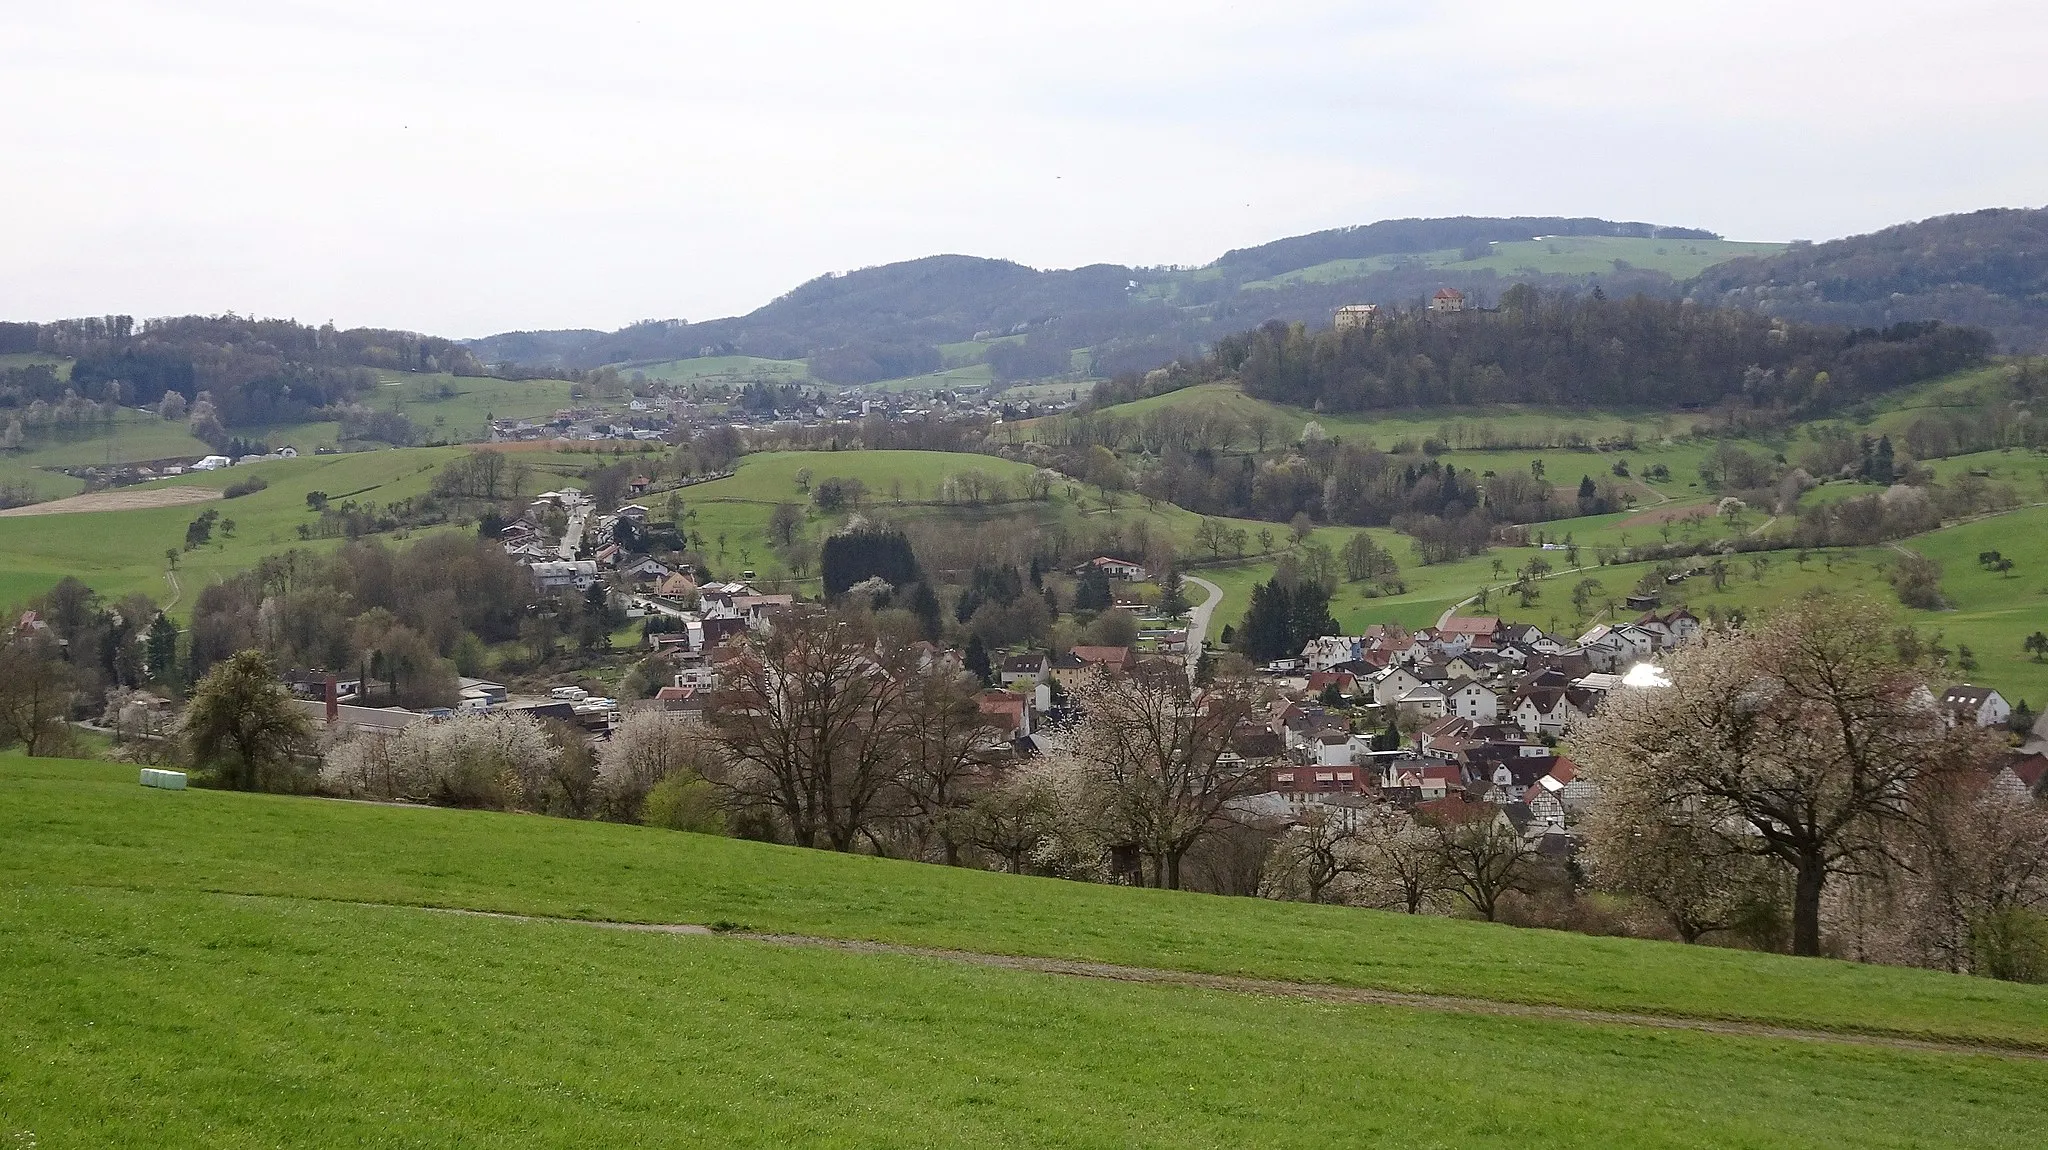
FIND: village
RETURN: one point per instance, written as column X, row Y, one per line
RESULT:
column 1469, row 719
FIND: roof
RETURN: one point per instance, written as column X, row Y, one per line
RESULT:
column 1114, row 656
column 1967, row 695
column 1449, row 293
column 1031, row 661
column 1469, row 625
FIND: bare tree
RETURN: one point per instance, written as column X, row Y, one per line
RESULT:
column 1159, row 756
column 811, row 719
column 36, row 690
column 1316, row 857
column 1800, row 741
column 1482, row 857
column 946, row 745
column 1400, row 865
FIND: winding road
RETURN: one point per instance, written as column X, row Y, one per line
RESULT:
column 1198, row 621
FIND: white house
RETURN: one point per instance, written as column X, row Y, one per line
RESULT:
column 1980, row 705
column 1425, row 700
column 1472, row 700
column 213, row 463
column 561, row 574
column 1115, row 568
column 1544, row 711
column 1394, row 684
column 1327, row 652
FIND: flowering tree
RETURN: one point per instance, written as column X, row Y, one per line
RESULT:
column 1800, row 741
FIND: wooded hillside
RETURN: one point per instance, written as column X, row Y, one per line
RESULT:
column 1987, row 268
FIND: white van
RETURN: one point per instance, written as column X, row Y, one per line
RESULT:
column 569, row 694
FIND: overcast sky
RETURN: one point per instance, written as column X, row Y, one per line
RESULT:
column 470, row 167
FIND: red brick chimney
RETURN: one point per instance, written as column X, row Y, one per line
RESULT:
column 333, row 700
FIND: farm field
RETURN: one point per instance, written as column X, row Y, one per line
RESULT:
column 732, row 370
column 79, row 826
column 119, row 552
column 458, row 409
column 1555, row 255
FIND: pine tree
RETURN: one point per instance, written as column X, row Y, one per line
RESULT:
column 977, row 661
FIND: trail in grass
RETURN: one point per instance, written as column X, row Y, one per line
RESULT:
column 1322, row 992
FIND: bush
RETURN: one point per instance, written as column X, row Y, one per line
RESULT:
column 684, row 802
column 248, row 486
column 2012, row 944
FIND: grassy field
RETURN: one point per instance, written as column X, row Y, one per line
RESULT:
column 1553, row 255
column 88, row 825
column 118, row 552
column 151, row 1000
column 726, row 370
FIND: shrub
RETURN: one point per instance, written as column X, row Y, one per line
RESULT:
column 684, row 802
column 248, row 486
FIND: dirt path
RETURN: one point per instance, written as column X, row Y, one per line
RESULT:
column 1235, row 984
column 125, row 499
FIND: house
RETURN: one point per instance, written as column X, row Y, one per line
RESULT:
column 1447, row 300
column 1114, row 568
column 213, row 463
column 645, row 570
column 1327, row 652
column 1356, row 315
column 1395, row 683
column 689, row 702
column 1980, row 705
column 2022, row 776
column 1344, row 681
column 1673, row 628
column 676, row 586
column 1105, row 658
column 1331, row 749
column 1424, row 700
column 1009, row 714
column 1480, row 631
column 1472, row 700
column 1311, row 783
column 1543, row 711
column 564, row 574
column 1026, row 671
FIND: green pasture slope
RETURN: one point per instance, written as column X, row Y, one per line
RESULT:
column 202, row 968
column 119, row 552
column 1553, row 255
column 727, row 370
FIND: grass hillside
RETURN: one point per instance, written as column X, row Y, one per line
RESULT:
column 202, row 967
column 119, row 552
column 1550, row 255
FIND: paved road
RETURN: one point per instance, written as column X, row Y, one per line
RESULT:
column 1198, row 620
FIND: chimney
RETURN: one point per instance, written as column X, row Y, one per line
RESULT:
column 333, row 700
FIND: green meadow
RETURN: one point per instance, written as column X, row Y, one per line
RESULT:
column 202, row 968
column 1551, row 255
column 121, row 552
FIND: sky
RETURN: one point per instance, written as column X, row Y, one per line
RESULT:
column 463, row 168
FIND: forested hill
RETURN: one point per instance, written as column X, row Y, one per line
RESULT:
column 887, row 321
column 252, row 371
column 1988, row 268
column 1588, row 350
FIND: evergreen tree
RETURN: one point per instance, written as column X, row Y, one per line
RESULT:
column 924, row 606
column 977, row 661
column 1173, row 595
column 161, row 646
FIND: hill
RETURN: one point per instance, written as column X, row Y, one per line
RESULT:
column 243, row 969
column 1988, row 268
column 893, row 321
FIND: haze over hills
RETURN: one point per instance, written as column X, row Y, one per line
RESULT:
column 1128, row 318
column 1987, row 268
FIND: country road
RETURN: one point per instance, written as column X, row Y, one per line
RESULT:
column 1198, row 620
